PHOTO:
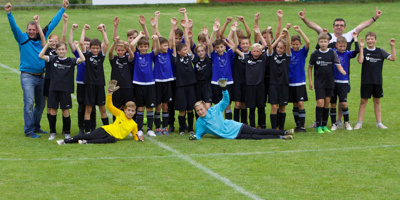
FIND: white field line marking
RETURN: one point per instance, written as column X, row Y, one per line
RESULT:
column 186, row 158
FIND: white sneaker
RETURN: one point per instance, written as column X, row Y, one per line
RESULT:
column 151, row 133
column 381, row 126
column 314, row 125
column 60, row 142
column 334, row 127
column 67, row 136
column 339, row 124
column 348, row 126
column 130, row 134
column 52, row 136
column 82, row 141
column 358, row 126
column 140, row 136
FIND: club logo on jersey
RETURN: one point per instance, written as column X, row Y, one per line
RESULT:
column 200, row 67
column 222, row 61
column 120, row 65
column 61, row 66
column 184, row 60
column 143, row 62
column 279, row 60
column 162, row 59
column 93, row 60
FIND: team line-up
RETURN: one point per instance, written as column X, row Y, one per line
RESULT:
column 179, row 74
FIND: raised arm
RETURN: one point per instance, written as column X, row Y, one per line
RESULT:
column 171, row 38
column 269, row 41
column 248, row 32
column 258, row 33
column 111, row 50
column 209, row 45
column 115, row 30
column 135, row 41
column 157, row 16
column 222, row 31
column 104, row 46
column 360, row 57
column 64, row 31
column 81, row 58
column 303, row 35
column 56, row 19
column 82, row 39
column 357, row 48
column 256, row 18
column 279, row 13
column 156, row 44
column 235, row 38
column 310, row 24
column 131, row 54
column 42, row 53
column 71, row 37
column 369, row 22
column 392, row 42
column 288, row 52
column 43, row 40
column 18, row 35
column 213, row 35
column 142, row 21
column 186, row 33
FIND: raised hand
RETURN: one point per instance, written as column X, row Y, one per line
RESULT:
column 174, row 21
column 296, row 28
column 288, row 25
column 112, row 86
column 361, row 42
column 269, row 29
column 65, row 4
column 157, row 14
column 36, row 18
column 354, row 34
column 142, row 20
column 8, row 7
column 182, row 10
column 153, row 21
column 392, row 42
column 116, row 39
column 183, row 23
column 257, row 16
column 101, row 27
column 65, row 16
column 302, row 14
column 190, row 23
column 216, row 27
column 378, row 13
column 256, row 30
column 241, row 19
column 116, row 21
column 86, row 27
column 141, row 34
column 205, row 30
column 154, row 37
column 325, row 30
column 74, row 26
column 228, row 19
column 279, row 13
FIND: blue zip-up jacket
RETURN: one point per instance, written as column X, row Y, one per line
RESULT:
column 29, row 49
column 215, row 124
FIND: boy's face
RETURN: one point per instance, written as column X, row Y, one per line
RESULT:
column 245, row 45
column 129, row 112
column 201, row 110
column 370, row 40
column 32, row 31
column 201, row 52
column 256, row 52
column 87, row 45
column 164, row 47
column 338, row 27
column 61, row 51
column 296, row 45
column 143, row 48
column 95, row 49
column 182, row 52
column 53, row 42
column 120, row 51
column 280, row 48
column 323, row 44
column 265, row 35
column 132, row 37
column 203, row 41
column 178, row 39
column 341, row 46
column 220, row 49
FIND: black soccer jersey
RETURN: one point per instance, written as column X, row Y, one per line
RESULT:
column 49, row 52
column 62, row 73
column 324, row 62
column 255, row 69
column 279, row 68
column 94, row 74
column 203, row 69
column 122, row 71
column 371, row 72
column 239, row 69
column 184, row 71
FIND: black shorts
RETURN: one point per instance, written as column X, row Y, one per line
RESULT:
column 217, row 93
column 297, row 93
column 185, row 98
column 341, row 90
column 163, row 92
column 80, row 92
column 61, row 98
column 145, row 95
column 46, row 87
column 266, row 87
column 322, row 93
column 121, row 96
column 95, row 95
column 278, row 94
column 255, row 96
column 375, row 90
column 204, row 92
column 239, row 92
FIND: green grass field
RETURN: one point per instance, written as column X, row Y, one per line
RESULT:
column 362, row 164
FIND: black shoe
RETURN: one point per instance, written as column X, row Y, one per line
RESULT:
column 171, row 128
column 297, row 129
column 81, row 132
column 302, row 130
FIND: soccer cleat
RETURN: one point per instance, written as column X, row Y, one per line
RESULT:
column 88, row 132
column 41, row 131
column 165, row 131
column 334, row 127
column 302, row 130
column 191, row 132
column 158, row 131
column 381, row 126
column 151, row 133
column 60, row 142
column 171, row 128
column 67, row 136
column 287, row 137
column 140, row 136
column 32, row 135
column 297, row 129
column 358, row 126
column 325, row 129
column 81, row 132
column 82, row 141
column 348, row 126
column 289, row 132
column 319, row 129
column 314, row 125
column 52, row 136
column 182, row 133
column 339, row 124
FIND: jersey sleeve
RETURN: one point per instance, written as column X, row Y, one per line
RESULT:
column 304, row 51
column 74, row 61
column 224, row 101
column 200, row 130
column 385, row 54
column 113, row 110
column 335, row 58
column 312, row 59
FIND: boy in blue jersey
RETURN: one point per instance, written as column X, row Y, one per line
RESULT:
column 297, row 78
column 342, row 84
column 222, row 67
column 94, row 75
column 143, row 78
column 80, row 84
column 211, row 121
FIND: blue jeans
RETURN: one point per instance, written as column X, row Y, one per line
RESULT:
column 34, row 101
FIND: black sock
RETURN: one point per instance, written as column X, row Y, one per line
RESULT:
column 252, row 117
column 236, row 114
column 325, row 116
column 48, row 117
column 261, row 117
column 52, row 123
column 282, row 119
column 165, row 119
column 228, row 114
column 87, row 126
column 243, row 116
column 318, row 115
column 140, row 120
column 190, row 120
column 302, row 118
column 150, row 119
column 274, row 118
column 105, row 121
column 182, row 125
column 277, row 119
column 345, row 112
column 157, row 120
column 67, row 125
column 296, row 116
column 333, row 115
column 93, row 119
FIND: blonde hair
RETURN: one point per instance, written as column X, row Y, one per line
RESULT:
column 130, row 104
column 323, row 36
column 200, row 103
column 256, row 45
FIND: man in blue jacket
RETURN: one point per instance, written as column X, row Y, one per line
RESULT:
column 32, row 68
column 212, row 121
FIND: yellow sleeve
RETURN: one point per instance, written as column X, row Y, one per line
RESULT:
column 134, row 132
column 113, row 110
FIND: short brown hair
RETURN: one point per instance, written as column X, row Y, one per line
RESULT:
column 244, row 38
column 120, row 44
column 266, row 32
column 95, row 42
column 200, row 46
column 143, row 41
column 240, row 33
column 372, row 34
column 59, row 44
column 130, row 104
column 180, row 46
column 162, row 40
column 341, row 40
column 201, row 36
column 132, row 32
column 283, row 42
column 296, row 38
column 179, row 32
column 218, row 42
column 87, row 39
column 323, row 36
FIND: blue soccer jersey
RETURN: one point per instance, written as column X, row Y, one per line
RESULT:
column 143, row 69
column 297, row 74
column 345, row 62
column 163, row 67
column 222, row 66
column 80, row 72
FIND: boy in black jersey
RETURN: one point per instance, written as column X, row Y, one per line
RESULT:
column 121, row 71
column 94, row 75
column 323, row 60
column 372, row 59
column 61, row 85
column 185, row 81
